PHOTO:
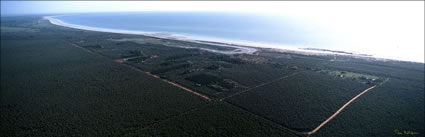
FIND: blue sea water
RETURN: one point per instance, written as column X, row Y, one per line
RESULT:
column 256, row 28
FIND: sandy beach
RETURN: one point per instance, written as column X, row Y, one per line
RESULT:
column 241, row 47
column 238, row 50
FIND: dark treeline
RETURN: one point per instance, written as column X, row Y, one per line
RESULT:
column 50, row 88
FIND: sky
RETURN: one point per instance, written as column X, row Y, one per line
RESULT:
column 391, row 27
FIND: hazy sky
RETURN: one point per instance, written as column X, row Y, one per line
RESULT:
column 396, row 26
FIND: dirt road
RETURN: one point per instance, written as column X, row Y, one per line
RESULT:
column 148, row 73
column 259, row 85
column 338, row 111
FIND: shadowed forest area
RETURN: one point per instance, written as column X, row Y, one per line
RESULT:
column 58, row 81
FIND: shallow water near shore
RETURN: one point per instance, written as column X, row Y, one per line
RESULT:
column 260, row 30
column 207, row 25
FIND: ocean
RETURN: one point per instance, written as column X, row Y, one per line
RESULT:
column 253, row 28
column 260, row 29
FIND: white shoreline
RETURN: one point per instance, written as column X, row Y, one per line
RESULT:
column 241, row 47
column 238, row 50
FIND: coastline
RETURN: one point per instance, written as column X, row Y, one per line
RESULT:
column 241, row 47
column 238, row 50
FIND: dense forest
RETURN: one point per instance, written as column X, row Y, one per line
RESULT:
column 300, row 102
column 58, row 81
column 229, row 121
column 49, row 88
